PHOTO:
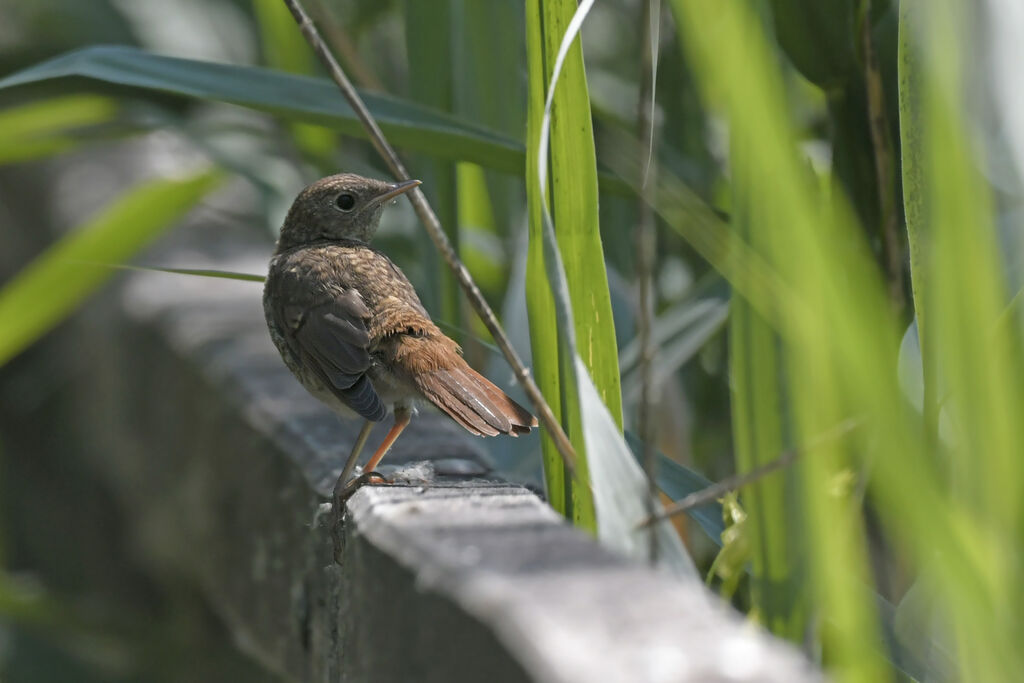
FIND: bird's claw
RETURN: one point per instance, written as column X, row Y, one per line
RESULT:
column 356, row 483
column 341, row 496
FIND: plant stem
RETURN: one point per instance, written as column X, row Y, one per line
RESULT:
column 646, row 244
column 885, row 164
column 738, row 481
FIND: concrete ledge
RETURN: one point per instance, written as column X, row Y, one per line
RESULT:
column 223, row 462
column 566, row 608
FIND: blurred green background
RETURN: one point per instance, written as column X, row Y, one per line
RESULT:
column 831, row 188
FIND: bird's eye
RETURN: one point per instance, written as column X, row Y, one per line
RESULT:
column 345, row 202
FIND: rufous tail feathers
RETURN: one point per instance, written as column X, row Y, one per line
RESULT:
column 472, row 401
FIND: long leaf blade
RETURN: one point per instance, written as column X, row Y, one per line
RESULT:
column 294, row 97
column 42, row 128
column 52, row 285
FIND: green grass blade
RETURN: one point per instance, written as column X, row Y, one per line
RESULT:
column 552, row 326
column 198, row 272
column 544, row 336
column 760, row 422
column 915, row 199
column 841, row 344
column 42, row 118
column 574, row 193
column 296, row 98
column 120, row 69
column 573, row 263
column 284, row 48
column 38, row 129
column 965, row 294
column 620, row 487
column 51, row 286
column 914, row 189
column 801, row 245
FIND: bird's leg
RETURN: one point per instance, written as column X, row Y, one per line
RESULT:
column 341, row 490
column 402, row 417
column 350, row 464
column 345, row 487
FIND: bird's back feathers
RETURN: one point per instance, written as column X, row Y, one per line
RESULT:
column 351, row 317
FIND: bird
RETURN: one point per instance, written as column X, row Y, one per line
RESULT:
column 351, row 328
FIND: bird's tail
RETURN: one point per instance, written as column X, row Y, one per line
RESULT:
column 472, row 401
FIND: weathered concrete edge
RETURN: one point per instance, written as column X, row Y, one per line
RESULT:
column 570, row 610
column 566, row 609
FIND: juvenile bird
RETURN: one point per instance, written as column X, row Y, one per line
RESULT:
column 350, row 327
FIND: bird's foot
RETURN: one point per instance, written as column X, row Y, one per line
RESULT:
column 356, row 483
column 341, row 495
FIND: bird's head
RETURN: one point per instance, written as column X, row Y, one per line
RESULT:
column 344, row 206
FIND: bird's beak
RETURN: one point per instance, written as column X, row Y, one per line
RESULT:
column 395, row 189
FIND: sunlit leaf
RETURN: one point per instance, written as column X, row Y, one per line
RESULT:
column 554, row 285
column 620, row 487
column 52, row 285
column 540, row 300
column 793, row 387
column 284, row 48
column 47, row 127
column 198, row 272
column 610, row 488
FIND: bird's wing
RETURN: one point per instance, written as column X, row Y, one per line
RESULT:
column 328, row 333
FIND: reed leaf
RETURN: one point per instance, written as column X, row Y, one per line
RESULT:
column 292, row 97
column 58, row 280
column 43, row 128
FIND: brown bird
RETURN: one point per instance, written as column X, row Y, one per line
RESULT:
column 350, row 327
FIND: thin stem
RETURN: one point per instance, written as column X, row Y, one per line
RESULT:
column 885, row 164
column 646, row 245
column 738, row 481
column 433, row 227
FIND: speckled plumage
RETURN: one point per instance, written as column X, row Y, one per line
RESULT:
column 350, row 326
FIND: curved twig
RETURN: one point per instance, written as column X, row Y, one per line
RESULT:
column 712, row 493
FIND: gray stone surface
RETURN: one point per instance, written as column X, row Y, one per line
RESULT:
column 224, row 462
column 567, row 609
